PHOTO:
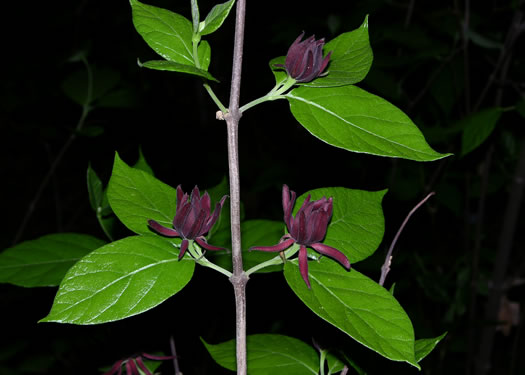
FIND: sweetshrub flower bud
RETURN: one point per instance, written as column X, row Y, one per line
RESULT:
column 307, row 229
column 135, row 365
column 192, row 219
column 304, row 60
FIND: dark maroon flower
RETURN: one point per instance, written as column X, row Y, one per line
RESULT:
column 131, row 364
column 304, row 60
column 192, row 219
column 308, row 229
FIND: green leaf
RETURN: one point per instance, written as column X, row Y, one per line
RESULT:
column 423, row 347
column 142, row 164
column 478, row 127
column 102, row 81
column 355, row 120
column 119, row 280
column 350, row 61
column 278, row 72
column 253, row 233
column 204, row 52
column 167, row 33
column 215, row 18
column 177, row 67
column 44, row 261
column 354, row 365
column 269, row 354
column 98, row 200
column 335, row 365
column 95, row 190
column 135, row 196
column 357, row 306
column 357, row 224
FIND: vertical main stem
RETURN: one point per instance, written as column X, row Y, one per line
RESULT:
column 239, row 278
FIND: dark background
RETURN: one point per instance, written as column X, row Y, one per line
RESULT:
column 423, row 62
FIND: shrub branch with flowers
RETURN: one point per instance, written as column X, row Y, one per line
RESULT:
column 328, row 228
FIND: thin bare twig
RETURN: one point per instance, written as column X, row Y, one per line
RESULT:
column 174, row 355
column 86, row 108
column 514, row 31
column 388, row 260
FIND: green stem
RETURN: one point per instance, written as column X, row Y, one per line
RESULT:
column 206, row 86
column 274, row 94
column 215, row 99
column 275, row 261
column 197, row 254
column 321, row 361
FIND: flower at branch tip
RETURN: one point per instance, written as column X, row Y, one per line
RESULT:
column 192, row 219
column 132, row 365
column 304, row 60
column 307, row 229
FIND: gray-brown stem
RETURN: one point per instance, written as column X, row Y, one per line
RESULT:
column 239, row 278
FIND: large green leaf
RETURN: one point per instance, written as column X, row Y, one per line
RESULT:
column 44, row 261
column 122, row 279
column 215, row 18
column 253, row 233
column 355, row 120
column 357, row 224
column 269, row 355
column 478, row 127
column 167, row 33
column 423, row 347
column 135, row 196
column 177, row 67
column 356, row 305
column 350, row 61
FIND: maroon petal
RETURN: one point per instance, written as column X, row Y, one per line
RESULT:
column 141, row 364
column 325, row 62
column 180, row 194
column 295, row 52
column 332, row 253
column 116, row 367
column 158, row 357
column 213, row 218
column 162, row 229
column 329, row 207
column 195, row 194
column 279, row 247
column 307, row 72
column 180, row 216
column 206, row 203
column 315, row 231
column 207, row 246
column 303, row 265
column 300, row 234
column 288, row 203
column 131, row 369
column 193, row 228
column 183, row 248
